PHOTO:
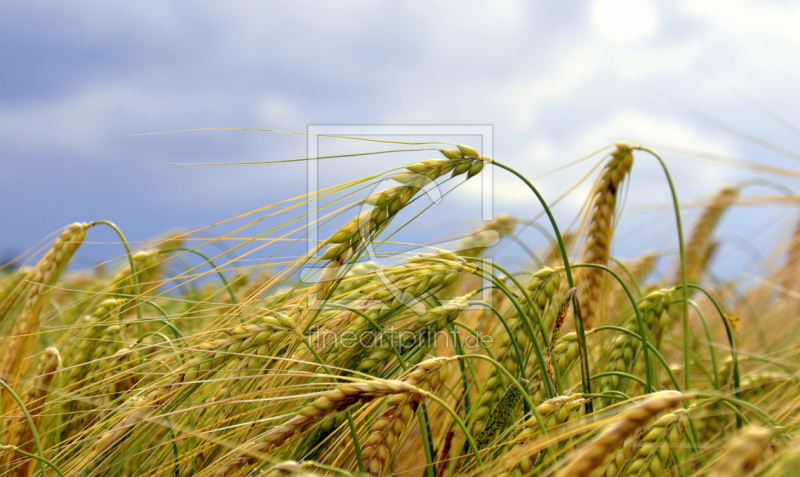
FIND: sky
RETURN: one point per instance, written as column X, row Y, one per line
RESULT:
column 555, row 81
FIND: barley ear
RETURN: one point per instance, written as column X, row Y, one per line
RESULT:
column 743, row 453
column 788, row 273
column 17, row 433
column 584, row 462
column 601, row 231
column 42, row 277
column 700, row 243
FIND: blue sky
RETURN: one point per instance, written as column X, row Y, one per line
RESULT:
column 555, row 81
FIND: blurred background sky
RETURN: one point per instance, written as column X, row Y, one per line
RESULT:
column 555, row 80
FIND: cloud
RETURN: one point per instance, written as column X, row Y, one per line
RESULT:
column 759, row 36
column 525, row 98
column 624, row 21
column 556, row 81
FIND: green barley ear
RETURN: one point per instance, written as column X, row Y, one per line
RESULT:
column 602, row 222
column 554, row 412
column 415, row 337
column 659, row 442
column 11, row 287
column 388, row 202
column 359, row 276
column 623, row 351
column 79, row 350
column 566, row 351
column 589, row 458
column 501, row 414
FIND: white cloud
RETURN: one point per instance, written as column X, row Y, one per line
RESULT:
column 80, row 123
column 671, row 60
column 760, row 34
column 525, row 98
column 624, row 21
column 276, row 110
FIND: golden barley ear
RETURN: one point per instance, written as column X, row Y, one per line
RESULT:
column 602, row 222
column 743, row 453
column 788, row 275
column 40, row 280
column 388, row 428
column 327, row 404
column 16, row 432
column 700, row 245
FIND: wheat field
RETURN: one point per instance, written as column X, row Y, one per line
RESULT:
column 433, row 362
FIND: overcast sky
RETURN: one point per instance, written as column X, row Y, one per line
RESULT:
column 555, row 80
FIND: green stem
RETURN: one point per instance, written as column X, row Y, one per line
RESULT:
column 425, row 431
column 520, row 358
column 539, row 317
column 451, row 327
column 538, row 349
column 731, row 341
column 460, row 423
column 213, row 266
column 134, row 275
column 585, row 380
column 639, row 319
column 165, row 322
column 354, row 433
column 717, row 382
column 684, row 277
column 348, row 413
column 524, row 392
column 33, row 456
column 626, row 376
column 740, row 402
column 629, row 273
column 552, row 219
